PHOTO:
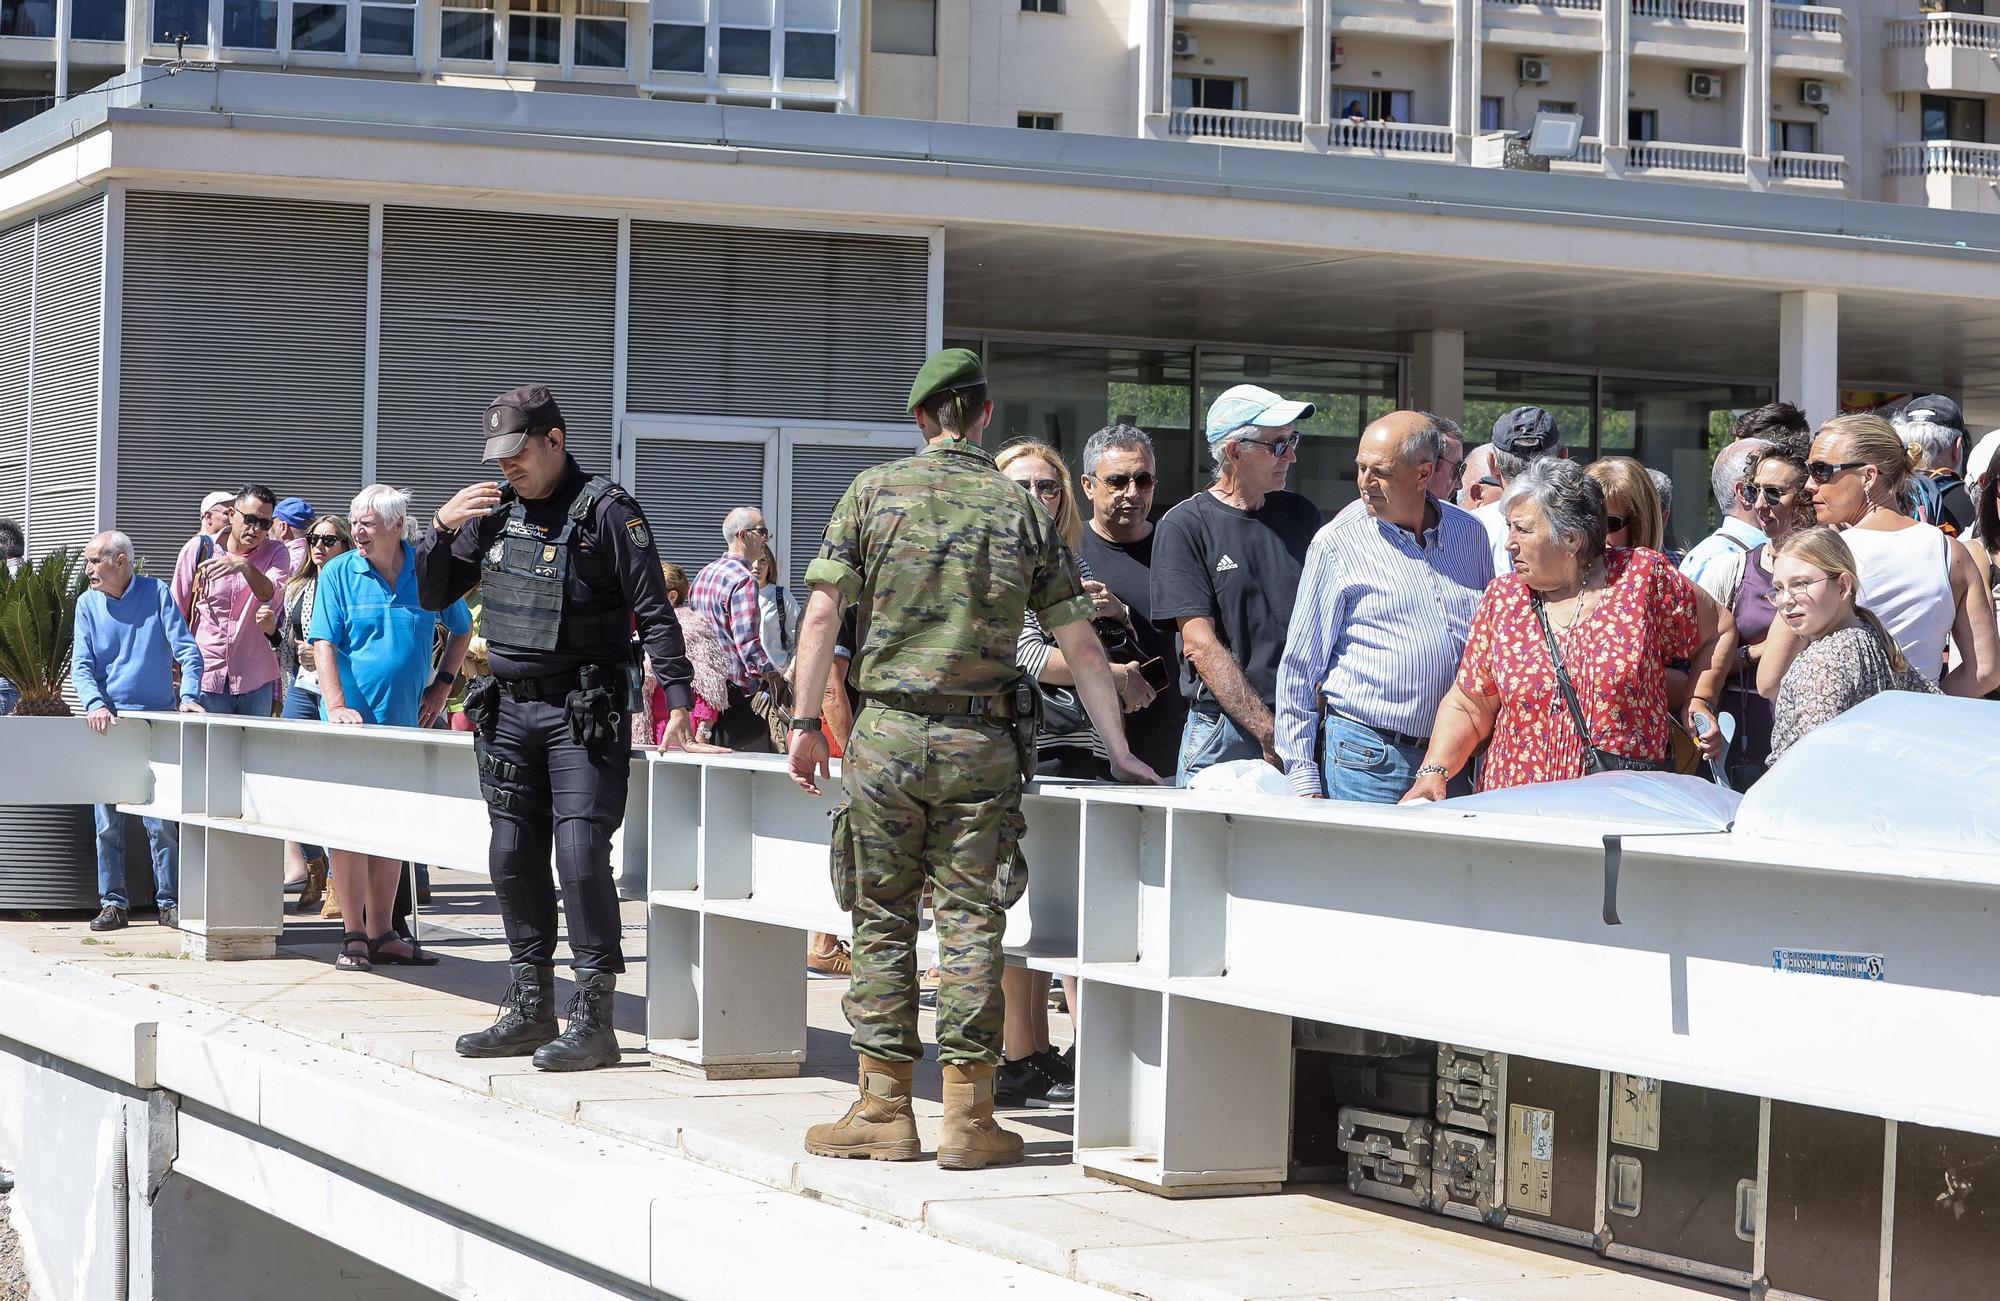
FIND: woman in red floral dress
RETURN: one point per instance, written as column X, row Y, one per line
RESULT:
column 1620, row 617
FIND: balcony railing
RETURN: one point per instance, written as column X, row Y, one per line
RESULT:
column 1570, row 6
column 1946, row 158
column 1813, row 20
column 1237, row 125
column 1690, row 11
column 1958, row 31
column 1389, row 138
column 1828, row 168
column 1700, row 160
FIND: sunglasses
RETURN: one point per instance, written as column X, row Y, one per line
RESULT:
column 1827, row 471
column 1119, row 482
column 761, row 530
column 1279, row 448
column 255, row 521
column 1042, row 487
column 1615, row 523
column 323, row 539
column 1769, row 493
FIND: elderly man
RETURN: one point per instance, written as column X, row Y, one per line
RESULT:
column 1478, row 485
column 214, row 514
column 1444, row 478
column 1384, row 607
column 1225, row 569
column 1933, row 428
column 226, row 588
column 1520, row 438
column 726, row 591
column 1739, row 531
column 129, row 634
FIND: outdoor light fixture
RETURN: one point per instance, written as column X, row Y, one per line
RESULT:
column 1555, row 135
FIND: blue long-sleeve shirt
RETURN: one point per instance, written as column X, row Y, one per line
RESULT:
column 125, row 649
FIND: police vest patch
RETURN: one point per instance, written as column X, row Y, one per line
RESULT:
column 637, row 528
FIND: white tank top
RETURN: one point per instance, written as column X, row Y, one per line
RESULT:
column 1906, row 581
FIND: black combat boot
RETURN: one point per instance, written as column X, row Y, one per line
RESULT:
column 589, row 1042
column 527, row 1017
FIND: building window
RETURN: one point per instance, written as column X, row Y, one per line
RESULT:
column 812, row 34
column 466, row 31
column 1362, row 104
column 600, row 34
column 1041, row 6
column 1950, row 118
column 1492, row 110
column 534, row 32
column 795, row 39
column 680, row 37
column 389, row 29
column 1039, row 121
column 1556, row 106
column 743, row 38
column 175, row 20
column 1209, row 92
column 1642, row 125
column 1795, row 137
column 90, row 20
column 319, row 28
column 250, row 24
column 27, row 17
column 904, row 27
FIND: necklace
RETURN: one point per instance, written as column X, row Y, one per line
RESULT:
column 1586, row 601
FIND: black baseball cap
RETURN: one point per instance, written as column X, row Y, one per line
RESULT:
column 1526, row 432
column 511, row 417
column 1936, row 409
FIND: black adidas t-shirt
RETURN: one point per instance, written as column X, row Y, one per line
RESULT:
column 1241, row 569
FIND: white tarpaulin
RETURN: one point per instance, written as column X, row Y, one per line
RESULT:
column 1618, row 800
column 1904, row 771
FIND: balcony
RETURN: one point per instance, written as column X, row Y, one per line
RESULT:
column 1408, row 20
column 1236, row 127
column 1690, row 162
column 1702, row 32
column 1809, row 171
column 1288, row 131
column 1544, row 25
column 1727, row 13
column 1957, row 174
column 1949, row 52
column 1389, row 139
column 1253, row 15
column 1811, row 39
column 1589, row 158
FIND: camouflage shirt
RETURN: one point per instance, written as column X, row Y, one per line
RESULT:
column 944, row 556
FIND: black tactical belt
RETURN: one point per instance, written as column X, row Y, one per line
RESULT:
column 556, row 687
column 945, row 706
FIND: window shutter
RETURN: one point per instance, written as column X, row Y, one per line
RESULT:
column 17, row 288
column 63, row 377
column 775, row 324
column 474, row 304
column 687, row 485
column 227, row 378
column 821, row 474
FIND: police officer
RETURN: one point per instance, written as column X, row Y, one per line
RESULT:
column 564, row 562
column 943, row 555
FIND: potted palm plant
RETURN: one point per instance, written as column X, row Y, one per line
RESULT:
column 47, row 858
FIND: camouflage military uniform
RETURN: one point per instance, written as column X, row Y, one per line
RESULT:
column 944, row 555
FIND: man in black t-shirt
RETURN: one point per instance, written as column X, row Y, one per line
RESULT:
column 1119, row 475
column 1226, row 566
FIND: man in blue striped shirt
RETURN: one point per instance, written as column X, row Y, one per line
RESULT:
column 1384, row 606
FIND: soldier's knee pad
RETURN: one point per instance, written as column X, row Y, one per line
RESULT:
column 510, row 850
column 581, row 850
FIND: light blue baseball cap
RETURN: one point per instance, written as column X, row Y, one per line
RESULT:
column 1246, row 404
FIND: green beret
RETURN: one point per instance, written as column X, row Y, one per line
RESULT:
column 952, row 368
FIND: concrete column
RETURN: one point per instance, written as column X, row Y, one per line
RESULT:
column 1756, row 92
column 138, row 29
column 1809, row 352
column 1466, row 61
column 62, row 49
column 1612, row 81
column 1437, row 373
column 1315, row 53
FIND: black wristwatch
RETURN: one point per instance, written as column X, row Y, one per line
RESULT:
column 444, row 680
column 805, row 725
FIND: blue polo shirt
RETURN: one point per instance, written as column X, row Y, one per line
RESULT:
column 381, row 636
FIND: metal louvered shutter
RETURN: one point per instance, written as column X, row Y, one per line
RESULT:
column 775, row 324
column 17, row 306
column 820, row 475
column 474, row 304
column 63, row 378
column 230, row 374
column 687, row 485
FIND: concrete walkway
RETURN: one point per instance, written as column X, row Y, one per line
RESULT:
column 1044, row 1213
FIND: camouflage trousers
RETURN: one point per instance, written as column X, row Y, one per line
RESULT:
column 935, row 799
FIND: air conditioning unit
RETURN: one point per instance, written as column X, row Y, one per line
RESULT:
column 1817, row 94
column 1186, row 45
column 1535, row 72
column 1704, row 85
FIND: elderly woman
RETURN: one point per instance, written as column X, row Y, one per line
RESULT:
column 1607, row 621
column 1923, row 586
column 371, row 640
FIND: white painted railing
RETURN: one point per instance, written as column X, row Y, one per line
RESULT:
column 1566, row 6
column 1237, row 125
column 1814, row 20
column 1706, row 160
column 1961, row 31
column 1946, row 158
column 1389, row 137
column 1690, row 11
column 1831, row 168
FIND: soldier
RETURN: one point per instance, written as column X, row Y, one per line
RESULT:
column 943, row 555
column 564, row 563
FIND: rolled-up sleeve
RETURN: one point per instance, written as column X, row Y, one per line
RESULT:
column 1316, row 614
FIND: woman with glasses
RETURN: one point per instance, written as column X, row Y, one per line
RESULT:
column 327, row 537
column 1846, row 654
column 1917, row 580
column 1632, row 515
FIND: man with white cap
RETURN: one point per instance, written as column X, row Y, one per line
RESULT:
column 215, row 514
column 1226, row 566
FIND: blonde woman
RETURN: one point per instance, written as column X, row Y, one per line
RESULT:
column 1847, row 655
column 1632, row 514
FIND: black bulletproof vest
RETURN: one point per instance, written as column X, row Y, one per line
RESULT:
column 533, row 597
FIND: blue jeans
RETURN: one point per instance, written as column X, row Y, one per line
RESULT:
column 303, row 705
column 1358, row 763
column 1208, row 739
column 163, row 838
column 10, row 696
column 255, row 703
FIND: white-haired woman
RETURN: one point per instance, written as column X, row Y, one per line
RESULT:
column 372, row 648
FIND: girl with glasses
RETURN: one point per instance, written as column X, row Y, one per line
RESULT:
column 327, row 537
column 1847, row 654
column 1921, row 583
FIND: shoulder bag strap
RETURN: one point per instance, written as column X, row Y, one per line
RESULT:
column 1562, row 675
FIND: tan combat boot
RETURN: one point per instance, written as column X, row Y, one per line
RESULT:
column 880, row 1125
column 970, row 1139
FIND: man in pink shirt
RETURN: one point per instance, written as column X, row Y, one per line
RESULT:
column 228, row 589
